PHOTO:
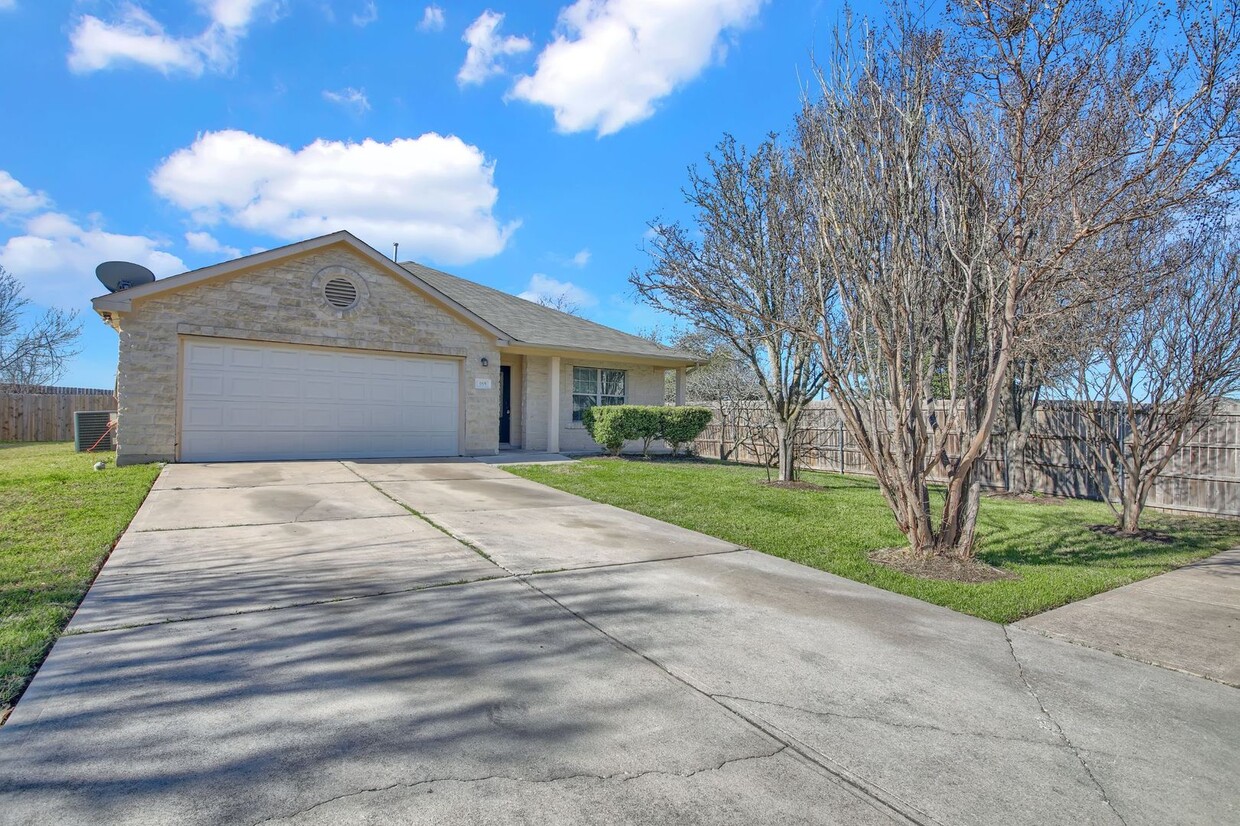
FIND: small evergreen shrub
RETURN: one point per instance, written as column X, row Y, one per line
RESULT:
column 612, row 426
column 681, row 425
column 603, row 425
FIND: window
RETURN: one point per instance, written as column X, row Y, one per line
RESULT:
column 593, row 386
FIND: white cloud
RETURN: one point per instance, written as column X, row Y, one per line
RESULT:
column 349, row 98
column 580, row 259
column 368, row 14
column 613, row 60
column 433, row 194
column 545, row 287
column 137, row 37
column 8, row 5
column 55, row 258
column 432, row 19
column 487, row 49
column 16, row 199
column 206, row 242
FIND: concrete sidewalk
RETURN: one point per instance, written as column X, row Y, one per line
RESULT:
column 1187, row 619
column 275, row 643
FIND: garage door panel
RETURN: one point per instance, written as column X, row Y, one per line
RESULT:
column 204, row 415
column 444, row 371
column 283, row 360
column 318, row 362
column 386, row 418
column 317, row 417
column 246, row 357
column 245, row 416
column 316, row 388
column 206, row 355
column 247, row 401
column 204, row 385
column 245, row 385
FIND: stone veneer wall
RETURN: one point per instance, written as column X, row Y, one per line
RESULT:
column 280, row 303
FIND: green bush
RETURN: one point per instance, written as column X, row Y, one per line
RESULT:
column 681, row 425
column 604, row 426
column 612, row 426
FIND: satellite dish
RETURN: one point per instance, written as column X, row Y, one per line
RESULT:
column 121, row 275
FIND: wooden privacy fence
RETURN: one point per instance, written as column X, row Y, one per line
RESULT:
column 46, row 417
column 1202, row 477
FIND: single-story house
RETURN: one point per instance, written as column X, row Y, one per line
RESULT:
column 328, row 349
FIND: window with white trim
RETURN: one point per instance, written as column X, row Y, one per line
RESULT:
column 595, row 386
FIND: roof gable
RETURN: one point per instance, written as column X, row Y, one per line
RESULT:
column 123, row 301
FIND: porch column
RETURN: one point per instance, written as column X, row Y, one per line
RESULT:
column 680, row 387
column 553, row 407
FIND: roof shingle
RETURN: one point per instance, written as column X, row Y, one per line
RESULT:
column 529, row 323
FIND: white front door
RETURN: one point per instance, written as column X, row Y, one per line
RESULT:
column 247, row 400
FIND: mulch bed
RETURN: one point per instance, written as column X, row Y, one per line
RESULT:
column 937, row 567
column 1143, row 535
column 1029, row 498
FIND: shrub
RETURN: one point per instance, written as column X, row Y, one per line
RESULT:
column 604, row 426
column 612, row 426
column 681, row 425
column 644, row 423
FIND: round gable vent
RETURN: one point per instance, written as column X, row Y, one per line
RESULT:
column 341, row 293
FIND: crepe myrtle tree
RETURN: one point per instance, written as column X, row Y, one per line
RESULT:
column 735, row 273
column 1160, row 361
column 34, row 349
column 959, row 180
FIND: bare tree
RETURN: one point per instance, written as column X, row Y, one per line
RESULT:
column 961, row 178
column 726, row 383
column 1163, row 359
column 561, row 302
column 737, row 273
column 33, row 350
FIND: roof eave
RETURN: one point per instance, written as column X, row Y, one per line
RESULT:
column 672, row 358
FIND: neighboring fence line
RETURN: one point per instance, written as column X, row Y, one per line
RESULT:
column 46, row 417
column 1202, row 477
column 48, row 390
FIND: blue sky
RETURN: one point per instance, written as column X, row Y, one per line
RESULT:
column 524, row 145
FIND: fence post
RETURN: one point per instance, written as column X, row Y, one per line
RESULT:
column 840, row 421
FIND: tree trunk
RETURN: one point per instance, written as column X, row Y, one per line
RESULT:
column 958, row 527
column 1018, row 465
column 1133, row 501
column 785, row 436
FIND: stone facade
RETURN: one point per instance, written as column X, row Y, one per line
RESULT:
column 279, row 303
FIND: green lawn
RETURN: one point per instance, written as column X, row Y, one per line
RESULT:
column 59, row 518
column 1059, row 559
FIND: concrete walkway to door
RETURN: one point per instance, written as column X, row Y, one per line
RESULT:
column 1187, row 619
column 441, row 642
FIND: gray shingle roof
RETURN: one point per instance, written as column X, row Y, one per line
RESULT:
column 526, row 322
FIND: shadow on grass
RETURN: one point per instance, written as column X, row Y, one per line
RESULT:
column 1061, row 538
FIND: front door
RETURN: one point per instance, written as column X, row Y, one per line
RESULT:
column 505, row 402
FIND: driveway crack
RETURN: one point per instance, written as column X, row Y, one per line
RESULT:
column 1058, row 729
column 878, row 720
column 622, row 777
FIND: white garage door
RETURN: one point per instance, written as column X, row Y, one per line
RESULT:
column 243, row 400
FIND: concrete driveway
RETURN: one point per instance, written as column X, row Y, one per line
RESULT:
column 290, row 642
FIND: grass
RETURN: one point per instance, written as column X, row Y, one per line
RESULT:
column 1050, row 545
column 59, row 518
